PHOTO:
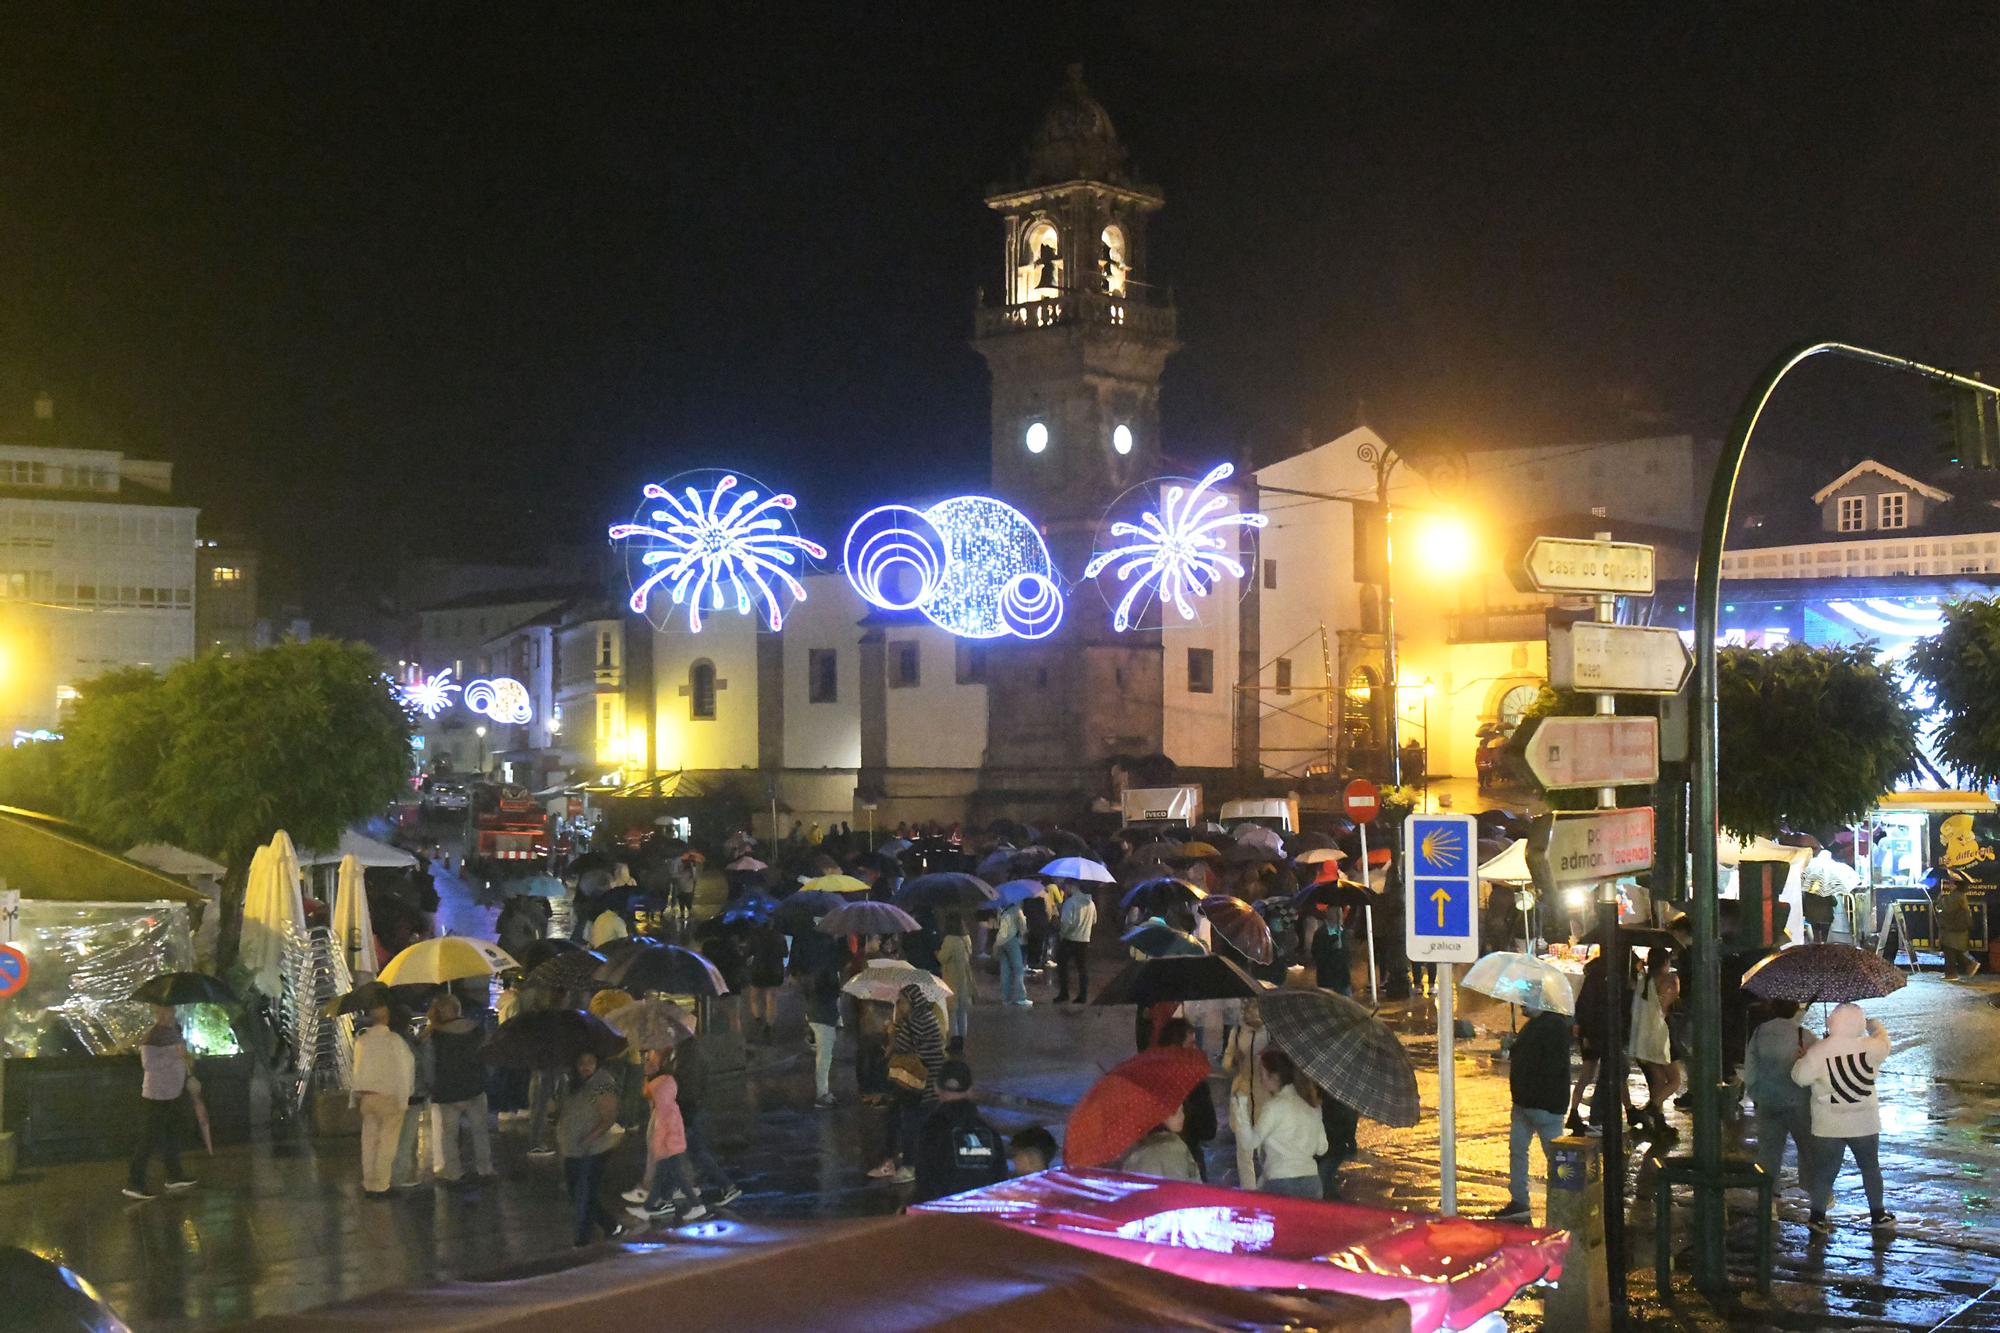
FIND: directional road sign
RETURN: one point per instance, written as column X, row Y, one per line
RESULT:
column 1618, row 659
column 13, row 970
column 1567, row 564
column 1568, row 752
column 1361, row 800
column 1594, row 844
column 1441, row 915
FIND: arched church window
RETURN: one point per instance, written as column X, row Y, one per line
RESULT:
column 1040, row 273
column 1111, row 260
column 701, row 691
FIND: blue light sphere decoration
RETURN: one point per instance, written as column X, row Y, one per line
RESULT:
column 1176, row 553
column 718, row 548
column 973, row 566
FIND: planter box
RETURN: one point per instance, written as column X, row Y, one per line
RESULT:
column 71, row 1108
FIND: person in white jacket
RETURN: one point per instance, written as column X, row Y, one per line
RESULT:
column 1287, row 1129
column 1840, row 1070
column 385, row 1074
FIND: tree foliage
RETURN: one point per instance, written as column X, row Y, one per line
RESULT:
column 1810, row 736
column 1961, row 666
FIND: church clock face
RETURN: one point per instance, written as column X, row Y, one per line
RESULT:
column 1121, row 438
column 1037, row 437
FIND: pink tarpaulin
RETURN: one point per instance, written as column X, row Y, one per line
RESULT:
column 1450, row 1271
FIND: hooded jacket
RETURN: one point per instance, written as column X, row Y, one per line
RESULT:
column 1840, row 1069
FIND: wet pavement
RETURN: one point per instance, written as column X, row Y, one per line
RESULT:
column 280, row 1224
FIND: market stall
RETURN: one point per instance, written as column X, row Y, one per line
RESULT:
column 1906, row 845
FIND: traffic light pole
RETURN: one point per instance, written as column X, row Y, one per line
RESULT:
column 1710, row 1271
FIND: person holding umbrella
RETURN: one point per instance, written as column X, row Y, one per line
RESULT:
column 1840, row 1070
column 458, row 1089
column 165, row 1067
column 1783, row 1108
column 916, row 1055
column 385, row 1075
column 1538, row 1078
column 1198, row 1125
column 586, row 1125
column 1287, row 1130
column 1073, row 931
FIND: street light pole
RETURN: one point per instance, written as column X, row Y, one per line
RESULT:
column 1710, row 1272
column 1383, row 459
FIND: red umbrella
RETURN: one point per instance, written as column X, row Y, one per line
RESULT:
column 1122, row 1107
column 1240, row 927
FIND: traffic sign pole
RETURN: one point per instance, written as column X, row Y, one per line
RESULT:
column 1447, row 1093
column 1611, row 1072
column 1441, row 926
column 1368, row 917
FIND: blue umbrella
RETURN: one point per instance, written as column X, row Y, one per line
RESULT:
column 535, row 886
column 1019, row 891
column 749, row 911
column 1154, row 895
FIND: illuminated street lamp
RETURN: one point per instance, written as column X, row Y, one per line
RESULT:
column 480, row 731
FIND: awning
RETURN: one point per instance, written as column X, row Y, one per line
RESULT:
column 1954, row 802
column 370, row 852
column 1511, row 866
column 177, row 861
column 51, row 859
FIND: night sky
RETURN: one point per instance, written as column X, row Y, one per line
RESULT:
column 392, row 280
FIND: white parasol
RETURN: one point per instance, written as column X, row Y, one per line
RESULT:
column 352, row 927
column 272, row 911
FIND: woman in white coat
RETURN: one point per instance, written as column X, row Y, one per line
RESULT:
column 1287, row 1129
column 1840, row 1069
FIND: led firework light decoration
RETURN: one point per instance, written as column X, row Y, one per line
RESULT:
column 501, row 698
column 1177, row 552
column 428, row 694
column 718, row 547
column 974, row 567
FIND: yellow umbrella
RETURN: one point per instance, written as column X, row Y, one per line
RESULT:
column 1196, row 851
column 448, row 958
column 834, row 884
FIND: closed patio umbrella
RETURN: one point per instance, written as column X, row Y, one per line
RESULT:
column 273, row 911
column 352, row 928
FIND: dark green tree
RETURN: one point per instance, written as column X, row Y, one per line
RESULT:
column 1961, row 666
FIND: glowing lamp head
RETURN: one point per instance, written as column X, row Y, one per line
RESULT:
column 1445, row 545
column 1037, row 438
column 1121, row 438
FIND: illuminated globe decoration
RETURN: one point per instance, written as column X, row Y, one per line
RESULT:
column 973, row 566
column 501, row 698
column 716, row 549
column 1176, row 553
column 427, row 694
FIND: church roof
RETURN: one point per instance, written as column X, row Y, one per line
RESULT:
column 1075, row 140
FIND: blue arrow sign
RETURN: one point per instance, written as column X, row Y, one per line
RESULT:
column 1441, row 913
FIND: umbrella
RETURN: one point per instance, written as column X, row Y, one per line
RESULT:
column 372, row 995
column 1249, row 853
column 1344, row 1048
column 1196, row 851
column 178, row 988
column 614, row 949
column 947, row 888
column 176, row 861
column 550, row 1038
column 1239, row 926
column 1012, row 829
column 1336, row 892
column 535, row 886
column 1061, row 842
column 1017, row 891
column 652, row 1025
column 273, row 912
column 667, row 968
column 1156, row 939
column 1251, row 835
column 353, row 932
column 540, row 951
column 1133, row 1096
column 997, row 863
column 445, row 959
column 1079, row 867
column 796, row 914
column 834, row 884
column 751, row 910
column 884, row 978
column 1831, row 973
column 1155, row 851
column 1313, row 856
column 571, row 969
column 749, row 863
column 1156, row 895
column 1312, row 842
column 593, row 860
column 1153, row 980
column 1523, row 979
column 867, row 918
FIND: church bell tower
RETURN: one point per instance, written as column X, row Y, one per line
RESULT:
column 1076, row 344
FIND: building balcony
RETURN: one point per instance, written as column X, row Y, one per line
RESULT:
column 608, row 677
column 1087, row 309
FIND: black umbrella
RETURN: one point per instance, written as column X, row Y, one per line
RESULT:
column 1061, row 842
column 1345, row 1049
column 537, row 952
column 1250, row 853
column 185, row 988
column 572, row 970
column 796, row 914
column 946, row 888
column 612, row 950
column 665, row 968
column 1156, row 939
column 373, row 995
column 593, row 860
column 1332, row 893
column 551, row 1038
column 1154, row 896
column 1310, row 841
column 1153, row 980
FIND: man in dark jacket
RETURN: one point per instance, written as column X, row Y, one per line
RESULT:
column 458, row 1088
column 1538, row 1074
column 957, row 1150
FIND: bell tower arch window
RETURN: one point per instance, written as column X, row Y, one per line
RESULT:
column 1112, row 260
column 1039, row 274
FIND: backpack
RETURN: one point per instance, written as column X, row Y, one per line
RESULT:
column 978, row 1154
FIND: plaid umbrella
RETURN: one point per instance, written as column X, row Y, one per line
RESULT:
column 1152, row 980
column 652, row 1025
column 1833, row 973
column 1122, row 1107
column 1154, row 896
column 946, row 888
column 1343, row 1047
column 667, row 968
column 1523, row 979
column 867, row 918
column 1237, row 924
column 1156, row 939
column 574, row 969
column 550, row 1038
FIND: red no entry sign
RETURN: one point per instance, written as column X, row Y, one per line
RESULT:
column 1361, row 800
column 13, row 970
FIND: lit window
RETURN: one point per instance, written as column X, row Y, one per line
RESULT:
column 701, row 692
column 225, row 574
column 1892, row 509
column 1037, row 437
column 822, row 676
column 1201, row 670
column 905, row 665
column 1121, row 438
column 1853, row 513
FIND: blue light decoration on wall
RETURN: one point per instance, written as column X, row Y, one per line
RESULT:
column 714, row 548
column 1176, row 553
column 974, row 567
column 501, row 698
column 427, row 694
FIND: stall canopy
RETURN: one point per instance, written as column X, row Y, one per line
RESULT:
column 1510, row 866
column 902, row 1273
column 51, row 859
column 371, row 853
column 176, row 861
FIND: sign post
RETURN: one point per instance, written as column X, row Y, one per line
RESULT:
column 1363, row 802
column 1564, row 753
column 1618, row 659
column 1441, row 925
column 1568, row 564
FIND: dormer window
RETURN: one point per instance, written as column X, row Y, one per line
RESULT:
column 1852, row 514
column 1892, row 509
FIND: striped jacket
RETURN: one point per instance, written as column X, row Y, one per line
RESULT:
column 1840, row 1070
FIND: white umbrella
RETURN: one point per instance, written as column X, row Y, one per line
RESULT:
column 272, row 910
column 351, row 924
column 372, row 853
column 884, row 978
column 176, row 861
column 1522, row 979
column 1260, row 836
column 1079, row 867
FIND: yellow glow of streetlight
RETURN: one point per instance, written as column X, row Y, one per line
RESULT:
column 1444, row 544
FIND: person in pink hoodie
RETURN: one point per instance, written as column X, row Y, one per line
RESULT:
column 1840, row 1069
column 671, row 1176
